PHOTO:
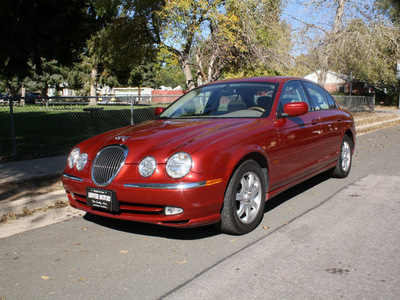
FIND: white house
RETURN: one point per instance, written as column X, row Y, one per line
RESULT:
column 132, row 91
column 335, row 82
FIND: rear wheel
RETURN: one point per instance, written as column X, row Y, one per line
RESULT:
column 343, row 166
column 244, row 199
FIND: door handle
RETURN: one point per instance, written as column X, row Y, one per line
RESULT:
column 314, row 121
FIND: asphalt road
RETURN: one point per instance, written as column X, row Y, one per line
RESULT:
column 325, row 239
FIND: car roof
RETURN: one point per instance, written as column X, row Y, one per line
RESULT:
column 273, row 79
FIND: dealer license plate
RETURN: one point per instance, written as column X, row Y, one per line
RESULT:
column 103, row 199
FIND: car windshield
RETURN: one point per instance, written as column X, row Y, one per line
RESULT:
column 224, row 100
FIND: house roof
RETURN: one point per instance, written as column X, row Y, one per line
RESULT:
column 331, row 77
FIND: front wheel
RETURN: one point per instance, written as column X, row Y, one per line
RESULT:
column 343, row 166
column 244, row 199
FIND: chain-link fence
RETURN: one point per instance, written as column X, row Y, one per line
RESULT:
column 356, row 103
column 47, row 126
column 39, row 127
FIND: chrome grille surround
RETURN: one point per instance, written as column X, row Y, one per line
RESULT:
column 107, row 164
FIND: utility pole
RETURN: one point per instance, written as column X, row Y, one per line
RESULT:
column 351, row 83
column 398, row 78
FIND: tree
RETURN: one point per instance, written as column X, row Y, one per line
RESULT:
column 78, row 76
column 368, row 53
column 51, row 76
column 168, row 71
column 215, row 35
column 391, row 8
column 206, row 37
column 352, row 37
column 35, row 29
column 128, row 41
column 319, row 36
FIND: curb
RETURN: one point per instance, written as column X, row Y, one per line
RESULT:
column 367, row 126
column 11, row 171
column 32, row 203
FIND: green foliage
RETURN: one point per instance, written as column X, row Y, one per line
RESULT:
column 391, row 8
column 130, row 36
column 125, row 49
column 215, row 36
column 367, row 52
column 50, row 76
column 35, row 29
column 167, row 70
column 76, row 77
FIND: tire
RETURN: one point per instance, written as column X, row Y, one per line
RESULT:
column 244, row 200
column 343, row 166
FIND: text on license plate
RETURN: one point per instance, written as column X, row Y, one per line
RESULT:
column 103, row 199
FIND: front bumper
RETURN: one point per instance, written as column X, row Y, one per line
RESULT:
column 201, row 200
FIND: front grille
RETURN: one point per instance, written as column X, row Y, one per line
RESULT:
column 108, row 163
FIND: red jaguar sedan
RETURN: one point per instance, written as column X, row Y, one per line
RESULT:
column 213, row 156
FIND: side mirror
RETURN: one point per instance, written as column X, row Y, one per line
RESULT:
column 294, row 109
column 158, row 111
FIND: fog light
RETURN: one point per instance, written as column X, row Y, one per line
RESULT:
column 170, row 210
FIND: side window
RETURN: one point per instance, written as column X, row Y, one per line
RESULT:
column 231, row 103
column 317, row 97
column 331, row 101
column 292, row 92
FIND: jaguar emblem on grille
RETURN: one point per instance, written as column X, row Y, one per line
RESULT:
column 121, row 138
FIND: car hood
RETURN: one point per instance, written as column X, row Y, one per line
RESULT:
column 161, row 138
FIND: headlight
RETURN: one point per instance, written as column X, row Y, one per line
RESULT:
column 179, row 164
column 81, row 161
column 147, row 166
column 73, row 156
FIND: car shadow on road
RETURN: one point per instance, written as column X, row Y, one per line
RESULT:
column 295, row 191
column 198, row 232
column 154, row 230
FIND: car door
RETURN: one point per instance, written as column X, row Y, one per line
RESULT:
column 330, row 121
column 299, row 137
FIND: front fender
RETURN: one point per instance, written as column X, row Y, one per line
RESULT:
column 220, row 156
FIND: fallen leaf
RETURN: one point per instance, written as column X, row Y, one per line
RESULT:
column 265, row 227
column 180, row 262
column 45, row 277
column 123, row 251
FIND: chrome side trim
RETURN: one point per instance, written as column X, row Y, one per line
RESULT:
column 167, row 186
column 72, row 177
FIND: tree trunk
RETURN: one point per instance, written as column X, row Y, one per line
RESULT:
column 331, row 45
column 93, row 87
column 188, row 75
column 187, row 72
column 338, row 16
